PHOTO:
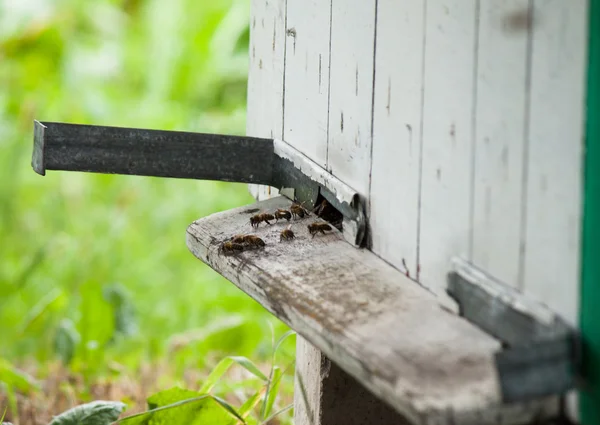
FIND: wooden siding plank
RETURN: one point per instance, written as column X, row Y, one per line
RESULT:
column 351, row 92
column 307, row 77
column 394, row 191
column 551, row 263
column 445, row 219
column 264, row 117
column 500, row 110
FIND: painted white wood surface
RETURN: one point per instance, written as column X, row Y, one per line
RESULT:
column 307, row 77
column 351, row 92
column 264, row 117
column 397, row 132
column 501, row 110
column 554, row 174
column 447, row 137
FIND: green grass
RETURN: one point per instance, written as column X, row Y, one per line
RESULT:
column 94, row 268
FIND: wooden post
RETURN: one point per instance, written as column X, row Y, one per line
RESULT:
column 326, row 395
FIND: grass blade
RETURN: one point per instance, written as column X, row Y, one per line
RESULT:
column 226, row 406
column 224, row 365
column 249, row 366
column 279, row 412
column 229, row 408
column 281, row 340
column 272, row 391
column 251, row 403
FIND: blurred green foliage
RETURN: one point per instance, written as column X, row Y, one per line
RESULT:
column 95, row 267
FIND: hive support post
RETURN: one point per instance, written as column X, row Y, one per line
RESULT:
column 326, row 395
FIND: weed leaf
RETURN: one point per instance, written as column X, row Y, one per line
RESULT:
column 95, row 413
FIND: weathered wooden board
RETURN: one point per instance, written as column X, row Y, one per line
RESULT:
column 447, row 137
column 388, row 332
column 501, row 108
column 326, row 395
column 351, row 92
column 307, row 77
column 264, row 116
column 397, row 122
column 554, row 156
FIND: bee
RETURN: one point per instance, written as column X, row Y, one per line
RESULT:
column 315, row 228
column 248, row 240
column 254, row 241
column 321, row 207
column 286, row 235
column 281, row 214
column 298, row 210
column 255, row 220
column 230, row 247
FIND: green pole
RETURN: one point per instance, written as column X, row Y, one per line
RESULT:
column 590, row 266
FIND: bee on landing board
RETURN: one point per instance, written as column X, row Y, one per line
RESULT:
column 321, row 207
column 281, row 214
column 255, row 220
column 248, row 240
column 315, row 228
column 286, row 235
column 298, row 210
column 230, row 247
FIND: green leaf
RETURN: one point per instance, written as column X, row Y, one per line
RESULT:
column 95, row 413
column 15, row 378
column 123, row 312
column 272, row 391
column 281, row 340
column 224, row 365
column 279, row 412
column 170, row 396
column 52, row 300
column 200, row 410
column 251, row 403
column 66, row 340
column 96, row 326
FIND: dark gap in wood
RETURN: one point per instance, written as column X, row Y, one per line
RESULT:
column 328, row 212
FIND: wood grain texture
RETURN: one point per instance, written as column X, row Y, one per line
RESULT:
column 326, row 395
column 397, row 132
column 445, row 220
column 380, row 327
column 264, row 116
column 551, row 262
column 307, row 77
column 501, row 114
column 351, row 92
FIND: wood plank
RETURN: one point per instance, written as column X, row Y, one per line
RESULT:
column 264, row 117
column 307, row 77
column 386, row 331
column 501, row 108
column 351, row 92
column 394, row 200
column 554, row 175
column 552, row 241
column 326, row 395
column 445, row 216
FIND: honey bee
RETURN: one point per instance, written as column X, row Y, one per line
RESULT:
column 255, row 220
column 286, row 235
column 298, row 210
column 248, row 240
column 315, row 228
column 281, row 214
column 254, row 241
column 319, row 208
column 230, row 247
